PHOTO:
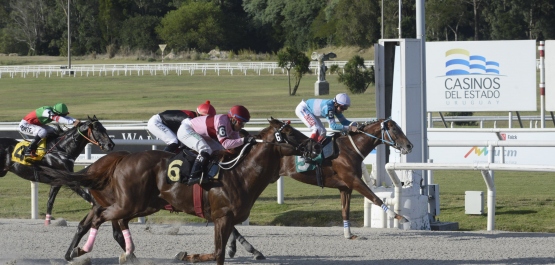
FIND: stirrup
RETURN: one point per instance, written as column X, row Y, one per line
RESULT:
column 193, row 181
column 30, row 153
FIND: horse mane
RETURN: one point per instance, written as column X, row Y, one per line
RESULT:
column 60, row 131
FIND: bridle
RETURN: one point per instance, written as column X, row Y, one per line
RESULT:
column 90, row 134
column 278, row 134
column 385, row 132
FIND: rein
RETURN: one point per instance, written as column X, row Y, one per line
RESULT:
column 384, row 133
column 279, row 138
column 89, row 132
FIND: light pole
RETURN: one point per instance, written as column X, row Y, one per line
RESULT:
column 68, row 39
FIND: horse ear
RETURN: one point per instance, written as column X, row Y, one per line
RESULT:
column 95, row 118
column 89, row 117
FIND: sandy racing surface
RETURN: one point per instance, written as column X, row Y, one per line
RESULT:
column 30, row 242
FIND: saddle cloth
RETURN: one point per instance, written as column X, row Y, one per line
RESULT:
column 179, row 167
column 19, row 150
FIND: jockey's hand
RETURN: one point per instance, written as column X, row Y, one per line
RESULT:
column 249, row 140
column 76, row 122
column 353, row 128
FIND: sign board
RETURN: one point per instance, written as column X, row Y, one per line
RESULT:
column 549, row 78
column 481, row 76
column 162, row 46
column 479, row 154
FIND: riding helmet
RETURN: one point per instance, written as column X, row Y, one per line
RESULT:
column 342, row 99
column 205, row 109
column 60, row 109
column 239, row 112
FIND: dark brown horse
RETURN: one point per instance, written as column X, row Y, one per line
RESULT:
column 345, row 172
column 61, row 152
column 130, row 185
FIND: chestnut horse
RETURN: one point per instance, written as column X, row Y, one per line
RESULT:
column 345, row 172
column 61, row 152
column 130, row 185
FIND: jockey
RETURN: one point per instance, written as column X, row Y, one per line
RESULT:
column 164, row 125
column 35, row 124
column 310, row 111
column 209, row 133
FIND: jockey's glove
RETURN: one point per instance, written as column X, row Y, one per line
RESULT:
column 249, row 140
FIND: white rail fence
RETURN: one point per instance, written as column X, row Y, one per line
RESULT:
column 79, row 70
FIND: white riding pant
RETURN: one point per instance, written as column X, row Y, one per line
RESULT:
column 190, row 138
column 314, row 124
column 34, row 130
column 161, row 131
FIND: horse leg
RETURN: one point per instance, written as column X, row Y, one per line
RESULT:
column 117, row 234
column 345, row 210
column 222, row 231
column 50, row 203
column 84, row 194
column 363, row 189
column 128, row 245
column 235, row 235
column 83, row 227
column 231, row 248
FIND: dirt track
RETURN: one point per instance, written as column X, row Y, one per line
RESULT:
column 30, row 242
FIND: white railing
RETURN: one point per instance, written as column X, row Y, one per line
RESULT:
column 78, row 70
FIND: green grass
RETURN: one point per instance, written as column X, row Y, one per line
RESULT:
column 139, row 97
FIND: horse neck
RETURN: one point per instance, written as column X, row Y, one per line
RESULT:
column 69, row 142
column 256, row 171
column 365, row 143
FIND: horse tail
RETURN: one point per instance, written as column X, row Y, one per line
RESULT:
column 59, row 177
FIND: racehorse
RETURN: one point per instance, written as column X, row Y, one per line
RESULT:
column 61, row 152
column 344, row 172
column 130, row 185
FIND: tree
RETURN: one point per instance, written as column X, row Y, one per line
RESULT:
column 195, row 25
column 138, row 32
column 357, row 22
column 292, row 59
column 443, row 16
column 357, row 77
column 29, row 18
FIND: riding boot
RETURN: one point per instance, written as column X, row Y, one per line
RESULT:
column 32, row 149
column 198, row 168
column 171, row 147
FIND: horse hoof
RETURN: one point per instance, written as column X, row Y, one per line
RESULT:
column 124, row 258
column 76, row 252
column 231, row 252
column 180, row 256
column 403, row 220
column 258, row 256
column 354, row 237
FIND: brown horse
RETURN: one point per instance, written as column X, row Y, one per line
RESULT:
column 61, row 152
column 345, row 172
column 130, row 185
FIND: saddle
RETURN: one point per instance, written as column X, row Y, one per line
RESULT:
column 18, row 155
column 179, row 167
column 330, row 151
